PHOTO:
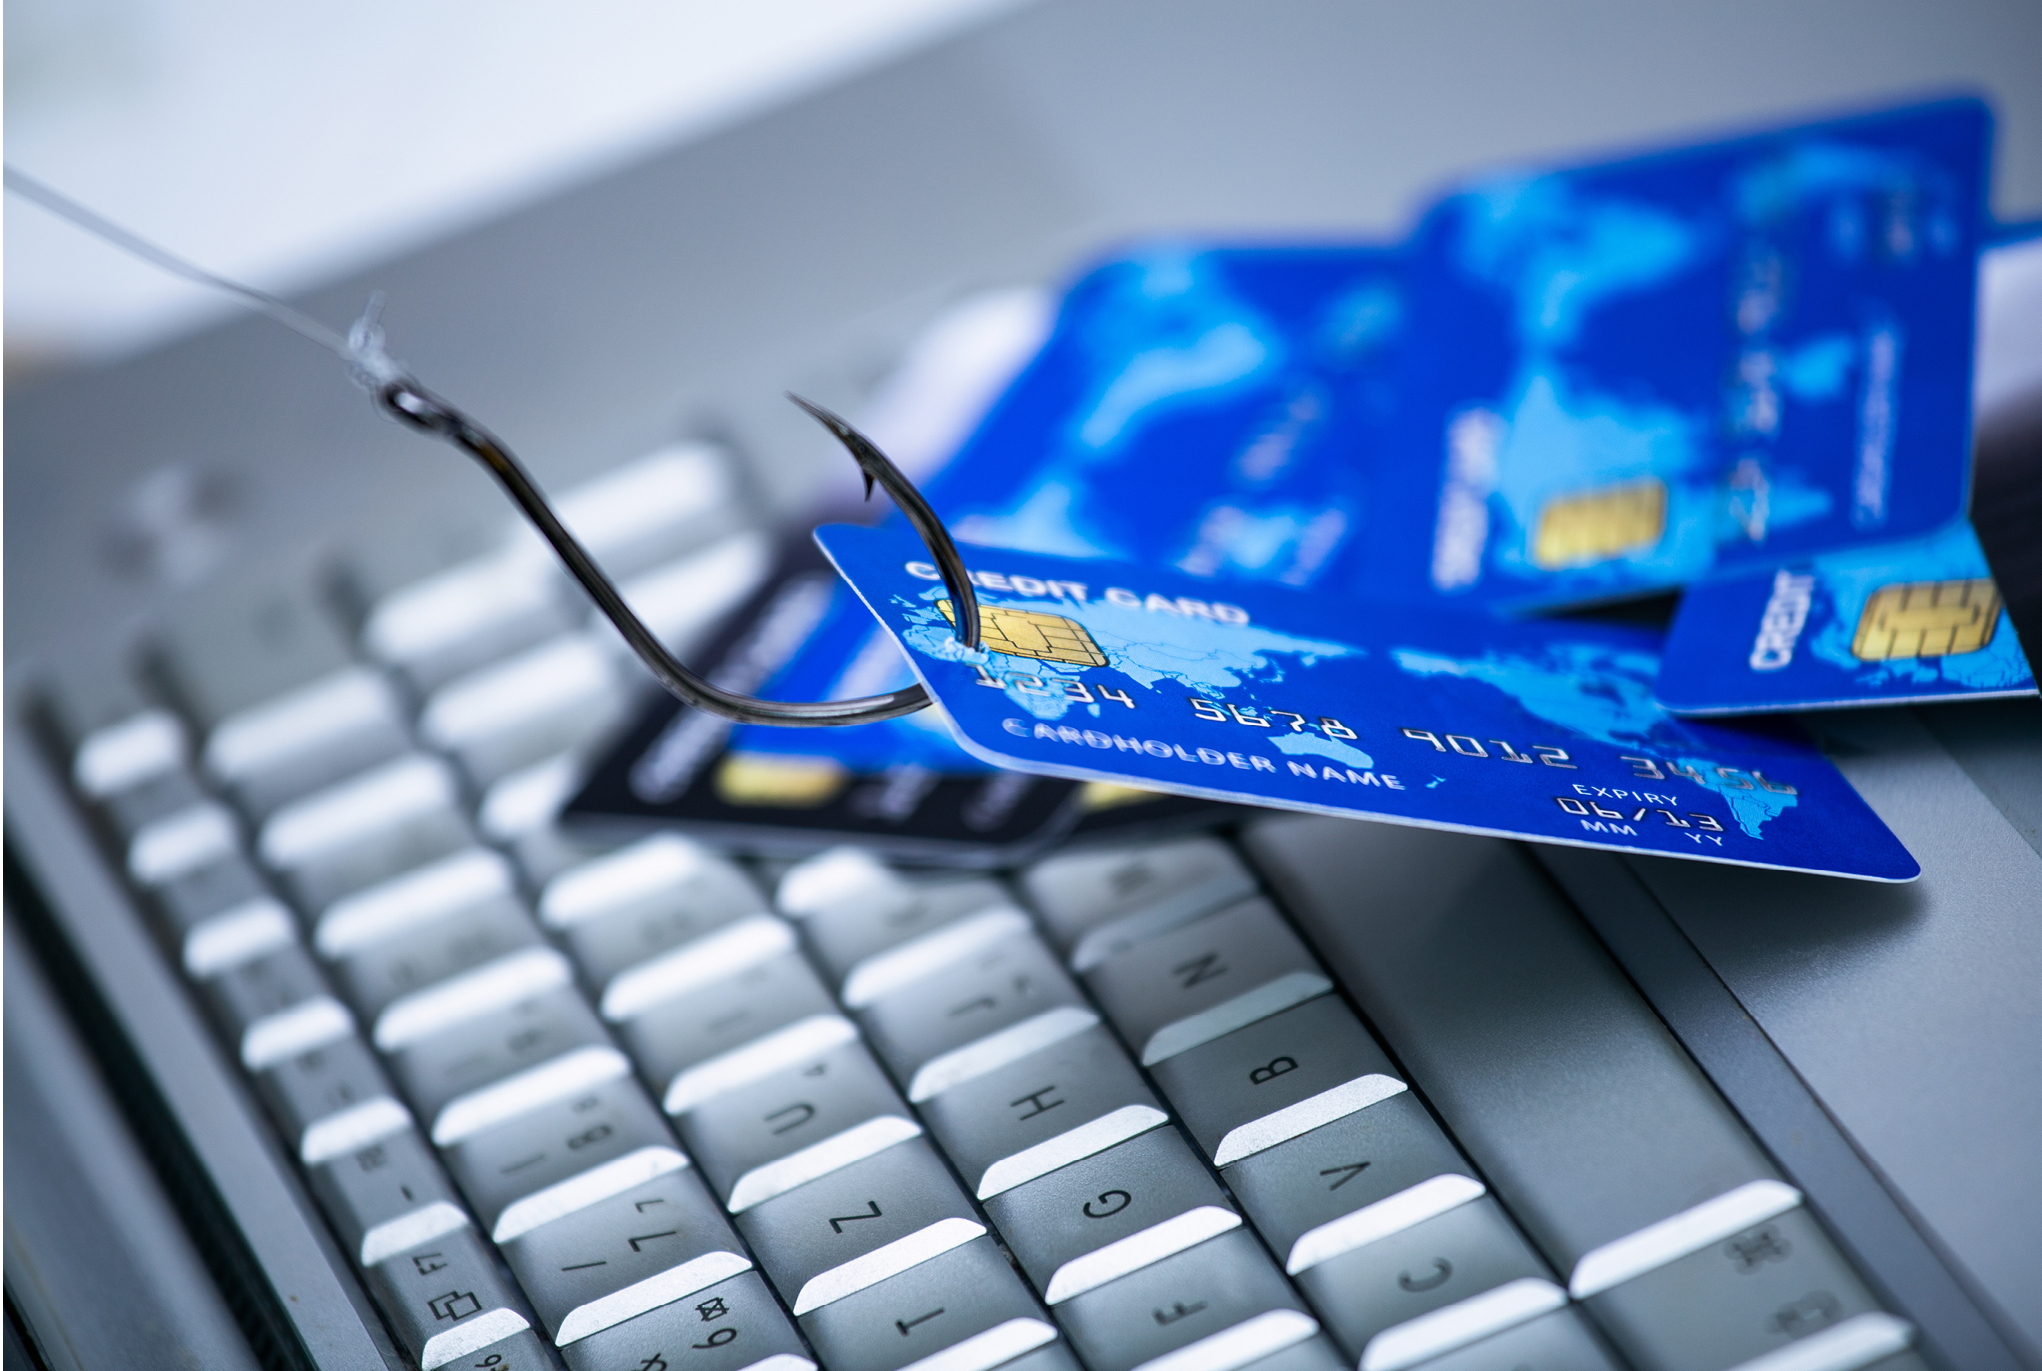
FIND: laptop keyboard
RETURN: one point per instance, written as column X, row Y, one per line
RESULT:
column 645, row 1107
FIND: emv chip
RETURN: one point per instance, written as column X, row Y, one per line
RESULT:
column 1596, row 525
column 1027, row 633
column 1927, row 619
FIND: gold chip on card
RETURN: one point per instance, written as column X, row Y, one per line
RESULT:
column 1028, row 633
column 1927, row 619
column 1596, row 525
column 779, row 781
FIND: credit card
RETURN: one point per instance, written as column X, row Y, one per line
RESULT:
column 1618, row 377
column 1405, row 714
column 1897, row 623
column 1215, row 409
column 902, row 787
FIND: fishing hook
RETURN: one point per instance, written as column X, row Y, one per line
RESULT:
column 413, row 405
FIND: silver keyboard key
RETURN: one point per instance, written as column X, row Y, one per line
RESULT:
column 467, row 616
column 968, row 1303
column 714, row 959
column 282, row 709
column 520, row 814
column 547, row 699
column 1052, row 1223
column 688, row 1032
column 641, row 900
column 1301, row 1192
column 134, row 764
column 1745, row 1293
column 831, row 877
column 734, row 1326
column 369, row 1189
column 801, row 1122
column 1288, row 1073
column 535, row 1165
column 1096, row 903
column 846, row 932
column 404, row 935
column 1559, row 1341
column 445, row 1299
column 380, row 824
column 332, row 1078
column 859, row 1225
column 1466, row 1250
column 625, row 1254
column 1042, row 1110
column 1015, row 979
column 209, row 890
column 442, row 1067
column 247, row 993
column 1175, row 991
column 1224, row 1286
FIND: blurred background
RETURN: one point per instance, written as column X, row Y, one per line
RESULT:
column 607, row 225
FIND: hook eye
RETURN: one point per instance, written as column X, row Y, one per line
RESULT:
column 411, row 404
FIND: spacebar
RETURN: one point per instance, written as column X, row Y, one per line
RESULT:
column 1556, row 1077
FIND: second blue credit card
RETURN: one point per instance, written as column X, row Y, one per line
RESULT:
column 1618, row 377
column 1895, row 623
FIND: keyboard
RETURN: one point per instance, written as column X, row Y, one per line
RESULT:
column 1297, row 1095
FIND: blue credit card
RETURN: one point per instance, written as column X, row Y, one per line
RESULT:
column 1897, row 623
column 1619, row 377
column 1098, row 670
column 1215, row 409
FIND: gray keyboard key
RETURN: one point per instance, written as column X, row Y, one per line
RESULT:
column 1273, row 1080
column 1550, row 1070
column 801, row 1122
column 209, row 890
column 1315, row 1353
column 1463, row 1251
column 713, row 959
column 968, row 1302
column 859, row 1225
column 1052, row 1224
column 376, row 977
column 537, row 1164
column 442, row 1066
column 1317, row 1179
column 1559, row 1341
column 521, row 1351
column 246, row 643
column 693, row 1029
column 831, row 877
column 520, row 814
column 321, row 1081
column 135, row 765
column 846, row 932
column 1187, row 987
column 1057, row 1356
column 1206, row 1291
column 445, row 1299
column 1741, row 1295
column 466, row 616
column 995, row 988
column 182, row 843
column 384, row 822
column 734, row 1326
column 1097, row 903
column 241, row 934
column 547, row 699
column 634, row 903
column 306, row 738
column 370, row 1188
column 253, row 990
column 661, row 1240
column 1042, row 1110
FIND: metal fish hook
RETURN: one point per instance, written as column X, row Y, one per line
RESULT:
column 412, row 404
